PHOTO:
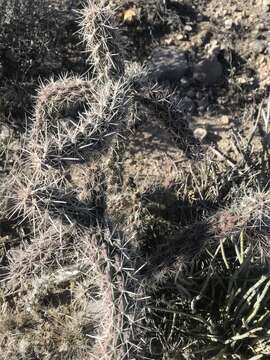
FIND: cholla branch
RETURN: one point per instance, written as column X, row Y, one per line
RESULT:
column 44, row 200
column 75, row 118
column 57, row 246
column 101, row 38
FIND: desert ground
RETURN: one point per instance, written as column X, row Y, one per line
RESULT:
column 134, row 179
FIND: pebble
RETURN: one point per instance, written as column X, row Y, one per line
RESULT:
column 228, row 24
column 188, row 28
column 258, row 46
column 184, row 82
column 180, row 37
column 200, row 133
column 225, row 120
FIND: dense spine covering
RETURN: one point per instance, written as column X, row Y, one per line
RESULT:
column 68, row 252
column 83, row 287
column 101, row 38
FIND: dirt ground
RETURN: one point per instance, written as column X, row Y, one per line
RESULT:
column 212, row 56
column 187, row 151
column 226, row 50
column 219, row 53
column 225, row 46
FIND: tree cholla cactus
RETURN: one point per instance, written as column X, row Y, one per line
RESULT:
column 72, row 300
column 79, row 320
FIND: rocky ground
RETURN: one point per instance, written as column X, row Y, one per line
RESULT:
column 196, row 146
column 215, row 53
column 214, row 57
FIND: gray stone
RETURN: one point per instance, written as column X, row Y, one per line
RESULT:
column 258, row 46
column 4, row 133
column 188, row 28
column 229, row 23
column 208, row 71
column 200, row 133
column 168, row 64
column 185, row 82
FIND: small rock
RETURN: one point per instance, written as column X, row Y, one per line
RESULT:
column 225, row 120
column 188, row 28
column 258, row 46
column 242, row 80
column 180, row 37
column 200, row 133
column 208, row 71
column 228, row 24
column 168, row 64
column 184, row 81
column 4, row 133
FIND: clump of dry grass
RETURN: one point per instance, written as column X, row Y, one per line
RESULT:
column 101, row 38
